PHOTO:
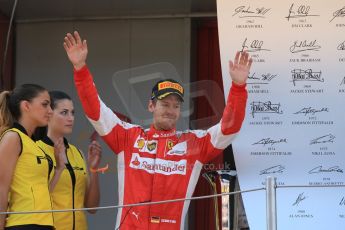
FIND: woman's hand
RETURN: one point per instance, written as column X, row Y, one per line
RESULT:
column 94, row 155
column 60, row 154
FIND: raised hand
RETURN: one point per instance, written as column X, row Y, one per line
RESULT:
column 239, row 69
column 76, row 49
column 60, row 154
column 94, row 155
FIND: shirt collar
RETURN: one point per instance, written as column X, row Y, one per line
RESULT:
column 20, row 128
column 48, row 141
column 161, row 133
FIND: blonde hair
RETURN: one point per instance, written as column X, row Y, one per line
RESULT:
column 6, row 118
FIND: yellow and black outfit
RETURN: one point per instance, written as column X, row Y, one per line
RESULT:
column 70, row 189
column 29, row 190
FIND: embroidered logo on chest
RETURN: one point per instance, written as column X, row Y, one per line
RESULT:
column 179, row 149
column 146, row 146
column 151, row 146
column 158, row 165
column 140, row 143
column 170, row 144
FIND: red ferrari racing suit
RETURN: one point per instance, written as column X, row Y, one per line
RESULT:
column 156, row 165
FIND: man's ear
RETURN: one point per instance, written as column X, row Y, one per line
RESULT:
column 151, row 106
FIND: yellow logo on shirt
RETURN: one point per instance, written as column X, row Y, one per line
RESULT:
column 170, row 144
column 140, row 143
column 151, row 146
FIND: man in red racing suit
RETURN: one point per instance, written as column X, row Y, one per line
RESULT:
column 158, row 163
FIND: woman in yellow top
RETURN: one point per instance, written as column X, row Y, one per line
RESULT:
column 24, row 168
column 72, row 186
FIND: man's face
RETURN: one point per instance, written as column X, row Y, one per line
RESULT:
column 166, row 112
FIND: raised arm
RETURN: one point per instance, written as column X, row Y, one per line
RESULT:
column 234, row 111
column 222, row 134
column 102, row 118
column 77, row 51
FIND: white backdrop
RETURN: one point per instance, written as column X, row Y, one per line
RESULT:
column 294, row 126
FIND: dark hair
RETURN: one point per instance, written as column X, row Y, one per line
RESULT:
column 10, row 103
column 56, row 96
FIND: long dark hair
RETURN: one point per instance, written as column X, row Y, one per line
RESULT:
column 10, row 103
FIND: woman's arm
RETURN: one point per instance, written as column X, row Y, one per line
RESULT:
column 61, row 160
column 92, row 195
column 10, row 148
